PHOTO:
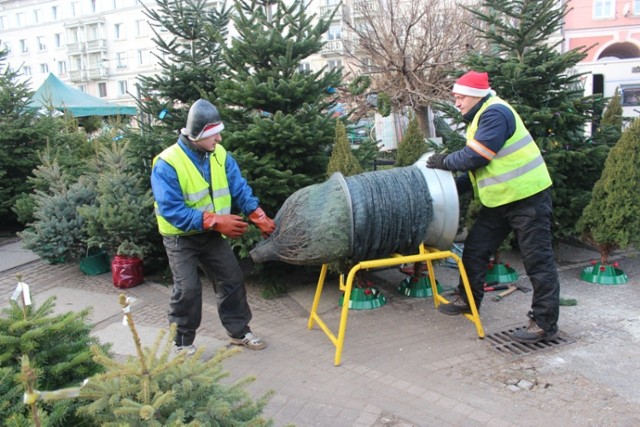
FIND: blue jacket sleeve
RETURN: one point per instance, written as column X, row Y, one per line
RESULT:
column 495, row 127
column 168, row 195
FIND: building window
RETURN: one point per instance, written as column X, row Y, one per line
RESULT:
column 44, row 68
column 36, row 16
column 54, row 12
column 102, row 89
column 334, row 32
column 19, row 20
column 57, row 39
column 636, row 7
column 93, row 6
column 42, row 44
column 121, row 60
column 3, row 23
column 304, row 67
column 603, row 9
column 26, row 70
column 24, row 47
column 141, row 27
column 83, row 88
column 62, row 68
column 7, row 46
column 630, row 95
column 122, row 87
column 332, row 64
column 118, row 32
column 75, row 8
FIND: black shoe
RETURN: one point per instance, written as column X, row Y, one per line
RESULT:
column 533, row 334
column 456, row 306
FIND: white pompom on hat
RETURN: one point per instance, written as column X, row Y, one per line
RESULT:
column 473, row 83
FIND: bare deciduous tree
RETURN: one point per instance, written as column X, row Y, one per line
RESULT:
column 407, row 47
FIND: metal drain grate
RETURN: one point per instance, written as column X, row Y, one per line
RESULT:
column 502, row 342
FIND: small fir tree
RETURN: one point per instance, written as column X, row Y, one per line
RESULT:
column 156, row 389
column 123, row 208
column 58, row 347
column 342, row 158
column 412, row 145
column 611, row 219
column 58, row 232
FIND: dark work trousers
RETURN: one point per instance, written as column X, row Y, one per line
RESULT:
column 530, row 220
column 211, row 252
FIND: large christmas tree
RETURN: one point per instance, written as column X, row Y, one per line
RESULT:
column 187, row 35
column 276, row 115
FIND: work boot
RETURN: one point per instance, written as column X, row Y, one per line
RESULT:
column 533, row 334
column 456, row 306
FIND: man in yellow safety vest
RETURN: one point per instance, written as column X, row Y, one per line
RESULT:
column 503, row 165
column 196, row 183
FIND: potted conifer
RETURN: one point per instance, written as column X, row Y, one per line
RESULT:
column 611, row 221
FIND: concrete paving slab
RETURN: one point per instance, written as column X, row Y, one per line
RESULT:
column 13, row 254
column 70, row 299
column 121, row 340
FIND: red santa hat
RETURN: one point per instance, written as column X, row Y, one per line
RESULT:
column 473, row 83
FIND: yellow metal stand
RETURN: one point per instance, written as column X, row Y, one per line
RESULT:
column 427, row 255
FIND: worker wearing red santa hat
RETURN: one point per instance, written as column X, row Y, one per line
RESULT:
column 503, row 165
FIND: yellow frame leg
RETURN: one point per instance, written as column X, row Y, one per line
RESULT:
column 426, row 255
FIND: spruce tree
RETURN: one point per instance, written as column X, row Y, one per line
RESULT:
column 187, row 35
column 21, row 137
column 527, row 69
column 123, row 207
column 412, row 145
column 276, row 116
column 610, row 126
column 155, row 388
column 610, row 220
column 342, row 158
column 58, row 347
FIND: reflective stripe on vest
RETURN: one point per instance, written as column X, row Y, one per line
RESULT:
column 515, row 172
column 195, row 189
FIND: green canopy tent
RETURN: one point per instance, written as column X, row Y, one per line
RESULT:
column 54, row 93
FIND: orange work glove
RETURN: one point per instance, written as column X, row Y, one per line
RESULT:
column 230, row 225
column 263, row 222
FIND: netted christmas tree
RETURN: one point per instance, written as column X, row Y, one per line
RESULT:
column 342, row 158
column 610, row 220
column 155, row 389
column 58, row 347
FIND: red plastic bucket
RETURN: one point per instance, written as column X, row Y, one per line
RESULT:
column 127, row 271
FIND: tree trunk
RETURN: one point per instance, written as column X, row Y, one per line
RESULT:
column 425, row 121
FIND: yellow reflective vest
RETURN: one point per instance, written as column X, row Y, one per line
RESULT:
column 195, row 189
column 515, row 172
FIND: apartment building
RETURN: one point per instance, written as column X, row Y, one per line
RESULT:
column 102, row 46
column 99, row 47
column 612, row 27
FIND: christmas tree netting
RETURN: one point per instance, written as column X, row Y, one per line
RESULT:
column 366, row 216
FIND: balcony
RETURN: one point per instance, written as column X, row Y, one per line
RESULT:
column 75, row 48
column 327, row 10
column 333, row 47
column 97, row 73
column 77, row 76
column 96, row 45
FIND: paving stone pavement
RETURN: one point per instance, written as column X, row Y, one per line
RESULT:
column 403, row 364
